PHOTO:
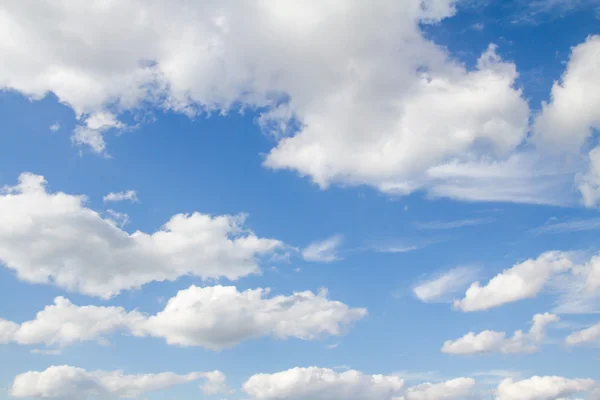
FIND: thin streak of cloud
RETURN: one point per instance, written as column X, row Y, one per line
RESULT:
column 576, row 225
column 442, row 225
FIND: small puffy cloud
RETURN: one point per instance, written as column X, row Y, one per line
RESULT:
column 315, row 383
column 192, row 318
column 216, row 383
column 524, row 280
column 444, row 285
column 542, row 388
column 323, row 251
column 55, row 127
column 453, row 389
column 584, row 336
column 497, row 342
column 53, row 238
column 64, row 323
column 128, row 195
column 70, row 383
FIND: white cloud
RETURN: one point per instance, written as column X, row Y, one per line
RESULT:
column 380, row 92
column 322, row 384
column 70, row 383
column 55, row 127
column 120, row 218
column 522, row 281
column 191, row 318
column 453, row 224
column 216, row 383
column 128, row 195
column 584, row 336
column 575, row 225
column 567, row 121
column 323, row 251
column 53, row 238
column 589, row 182
column 497, row 342
column 444, row 285
column 542, row 388
column 64, row 323
column 453, row 389
column 579, row 291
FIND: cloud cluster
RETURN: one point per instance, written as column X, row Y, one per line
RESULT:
column 380, row 92
column 194, row 317
column 497, row 342
column 54, row 238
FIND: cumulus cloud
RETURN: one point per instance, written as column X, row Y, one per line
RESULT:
column 380, row 92
column 497, row 342
column 584, row 336
column 191, row 318
column 70, row 383
column 567, row 121
column 322, row 384
column 64, row 323
column 54, row 238
column 524, row 280
column 444, row 285
column 323, row 251
column 542, row 388
column 453, row 389
column 579, row 291
column 128, row 195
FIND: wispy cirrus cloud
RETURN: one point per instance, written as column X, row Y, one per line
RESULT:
column 461, row 223
column 574, row 225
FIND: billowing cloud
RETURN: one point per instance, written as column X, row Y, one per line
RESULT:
column 380, row 92
column 497, row 342
column 323, row 251
column 322, row 384
column 542, row 388
column 53, row 238
column 524, row 280
column 70, row 383
column 191, row 318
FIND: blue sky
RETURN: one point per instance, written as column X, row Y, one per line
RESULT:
column 396, row 161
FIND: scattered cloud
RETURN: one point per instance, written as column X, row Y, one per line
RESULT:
column 322, row 384
column 438, row 225
column 55, row 127
column 53, row 238
column 191, row 318
column 442, row 287
column 453, row 389
column 128, row 195
column 497, row 342
column 576, row 225
column 323, row 251
column 584, row 336
column 542, row 388
column 70, row 383
column 524, row 280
